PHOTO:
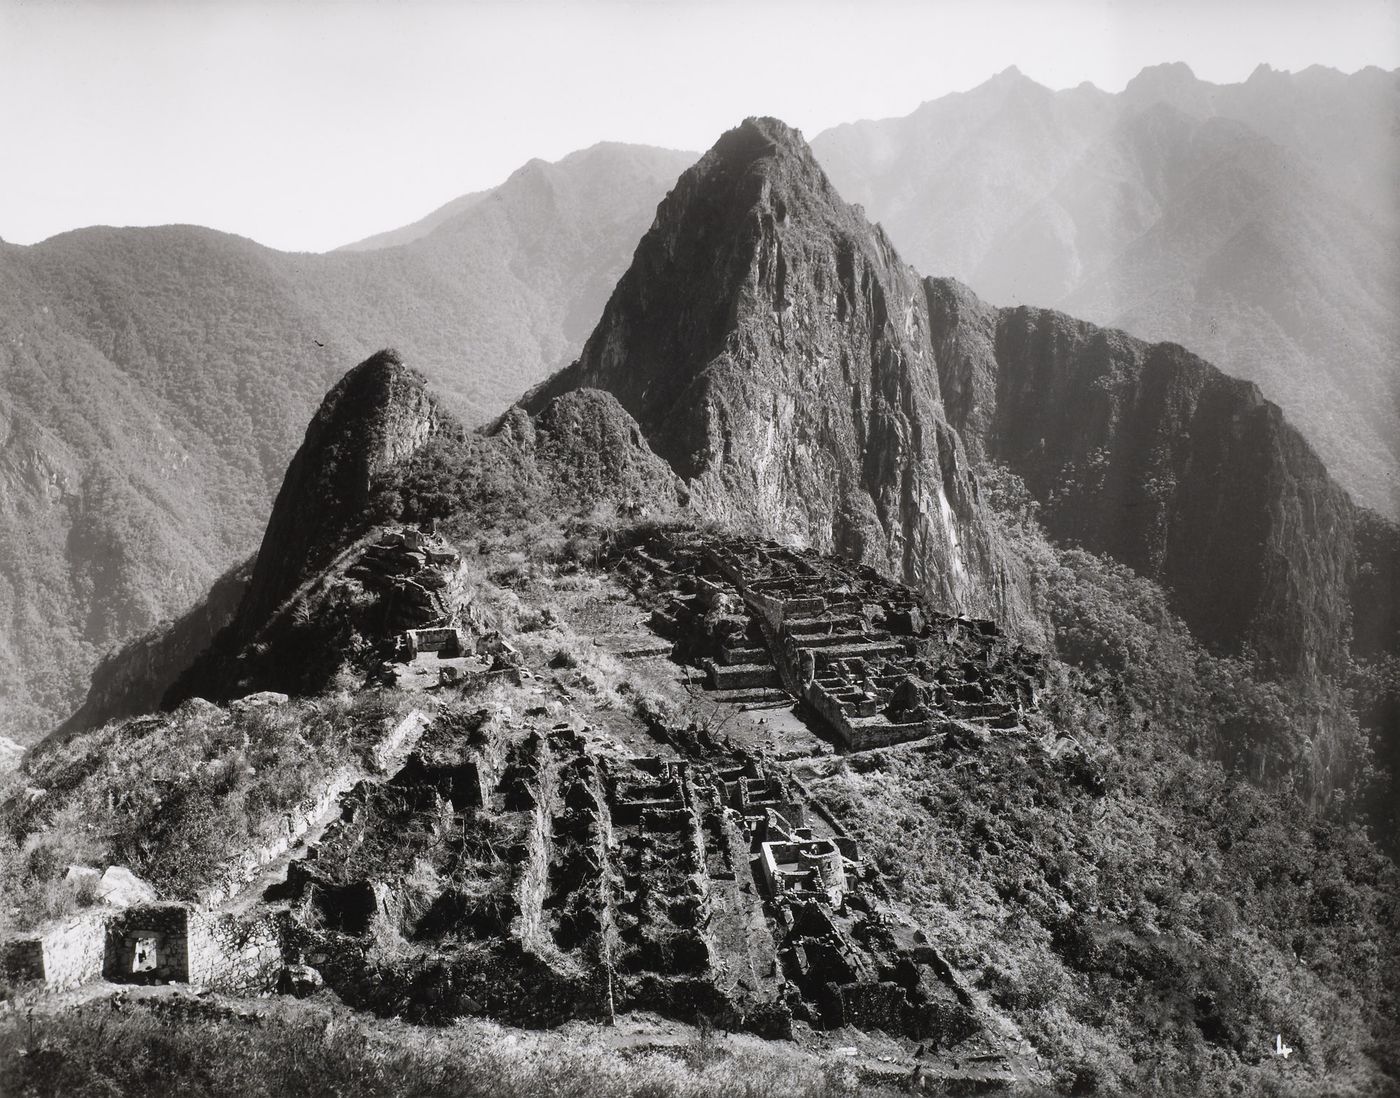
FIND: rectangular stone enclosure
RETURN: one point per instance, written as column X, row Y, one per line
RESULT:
column 445, row 642
column 148, row 944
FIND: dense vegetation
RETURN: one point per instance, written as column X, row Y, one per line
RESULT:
column 582, row 452
column 1148, row 915
column 1135, row 654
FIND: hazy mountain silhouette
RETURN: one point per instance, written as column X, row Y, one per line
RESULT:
column 1255, row 223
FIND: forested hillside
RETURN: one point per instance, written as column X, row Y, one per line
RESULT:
column 154, row 383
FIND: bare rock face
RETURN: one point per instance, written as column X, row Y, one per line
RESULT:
column 376, row 416
column 1153, row 456
column 774, row 350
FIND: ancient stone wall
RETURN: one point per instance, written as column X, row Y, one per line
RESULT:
column 244, row 869
column 533, row 880
column 64, row 956
column 401, row 738
column 233, row 955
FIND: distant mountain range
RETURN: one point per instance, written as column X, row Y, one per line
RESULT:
column 154, row 382
column 1257, row 223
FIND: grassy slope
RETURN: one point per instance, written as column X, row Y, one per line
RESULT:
column 172, row 797
column 289, row 1049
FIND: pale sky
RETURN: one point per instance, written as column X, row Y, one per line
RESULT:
column 306, row 125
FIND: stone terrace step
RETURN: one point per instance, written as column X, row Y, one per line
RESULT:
column 752, row 695
column 734, row 676
column 853, row 651
column 836, row 640
column 845, row 623
column 744, row 655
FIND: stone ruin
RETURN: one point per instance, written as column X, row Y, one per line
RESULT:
column 426, row 609
column 875, row 667
column 530, row 877
column 135, row 938
column 538, row 873
column 419, row 578
column 152, row 943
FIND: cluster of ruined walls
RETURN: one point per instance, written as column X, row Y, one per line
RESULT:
column 863, row 737
column 508, row 920
column 871, row 663
column 244, row 869
column 419, row 578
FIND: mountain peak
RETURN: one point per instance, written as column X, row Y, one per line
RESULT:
column 1166, row 80
column 1168, row 72
column 759, row 142
column 769, row 342
column 378, row 414
column 1174, row 84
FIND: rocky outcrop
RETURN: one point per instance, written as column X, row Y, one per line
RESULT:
column 1153, row 456
column 583, row 448
column 376, row 416
column 380, row 452
column 774, row 348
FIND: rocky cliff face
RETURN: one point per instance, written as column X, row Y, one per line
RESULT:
column 1150, row 454
column 377, row 415
column 802, row 381
column 774, row 349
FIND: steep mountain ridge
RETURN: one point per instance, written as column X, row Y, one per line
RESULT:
column 1151, row 455
column 1255, row 223
column 774, row 349
column 377, row 415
